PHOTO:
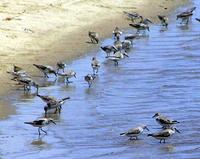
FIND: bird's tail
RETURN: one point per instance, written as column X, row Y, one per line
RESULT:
column 150, row 135
column 175, row 121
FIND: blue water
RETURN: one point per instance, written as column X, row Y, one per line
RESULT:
column 161, row 75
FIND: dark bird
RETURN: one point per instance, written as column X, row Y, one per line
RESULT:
column 164, row 121
column 164, row 20
column 40, row 123
column 164, row 134
column 185, row 16
column 46, row 70
column 94, row 37
column 89, row 79
column 109, row 49
column 60, row 66
column 27, row 84
column 135, row 132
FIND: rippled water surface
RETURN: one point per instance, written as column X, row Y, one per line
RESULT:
column 162, row 74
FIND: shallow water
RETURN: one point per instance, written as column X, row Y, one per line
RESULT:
column 161, row 75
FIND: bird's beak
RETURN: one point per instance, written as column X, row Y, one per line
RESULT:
column 53, row 122
column 74, row 76
column 177, row 130
column 147, row 128
column 154, row 116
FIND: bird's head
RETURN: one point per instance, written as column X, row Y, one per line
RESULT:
column 156, row 115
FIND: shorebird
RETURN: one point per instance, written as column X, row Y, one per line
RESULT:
column 18, row 74
column 164, row 121
column 164, row 134
column 117, row 56
column 135, row 132
column 130, row 37
column 68, row 74
column 89, row 79
column 118, row 44
column 117, row 33
column 40, row 123
column 28, row 83
column 140, row 27
column 186, row 15
column 61, row 66
column 109, row 49
column 54, row 106
column 94, row 37
column 164, row 20
column 133, row 16
column 46, row 70
column 95, row 65
column 126, row 45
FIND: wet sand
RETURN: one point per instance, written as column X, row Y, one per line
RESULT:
column 161, row 75
column 35, row 31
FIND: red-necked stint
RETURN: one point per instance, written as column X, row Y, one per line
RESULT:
column 117, row 33
column 94, row 37
column 186, row 15
column 164, row 134
column 164, row 121
column 89, row 79
column 40, row 123
column 60, row 66
column 67, row 75
column 109, row 49
column 135, row 132
column 95, row 64
column 164, row 20
column 46, row 70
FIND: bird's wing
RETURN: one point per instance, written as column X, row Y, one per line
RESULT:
column 162, row 134
column 133, row 131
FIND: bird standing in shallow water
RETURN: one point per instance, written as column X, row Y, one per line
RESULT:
column 40, row 123
column 164, row 121
column 46, row 70
column 164, row 20
column 67, row 75
column 135, row 132
column 89, row 79
column 95, row 65
column 164, row 134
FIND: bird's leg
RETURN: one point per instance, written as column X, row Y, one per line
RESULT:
column 39, row 131
column 164, row 140
column 160, row 140
column 44, row 131
column 136, row 138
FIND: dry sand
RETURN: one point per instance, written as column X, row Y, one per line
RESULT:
column 47, row 31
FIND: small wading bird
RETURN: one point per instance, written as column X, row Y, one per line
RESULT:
column 27, row 84
column 60, row 66
column 133, row 16
column 109, row 49
column 126, row 45
column 135, row 132
column 186, row 15
column 46, row 70
column 40, row 123
column 18, row 72
column 67, row 75
column 55, row 106
column 94, row 37
column 89, row 79
column 164, row 20
column 164, row 134
column 95, row 65
column 117, row 57
column 164, row 121
column 141, row 27
column 117, row 33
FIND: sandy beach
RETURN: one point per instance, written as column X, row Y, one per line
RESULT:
column 47, row 31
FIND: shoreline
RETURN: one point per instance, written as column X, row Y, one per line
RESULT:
column 28, row 39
